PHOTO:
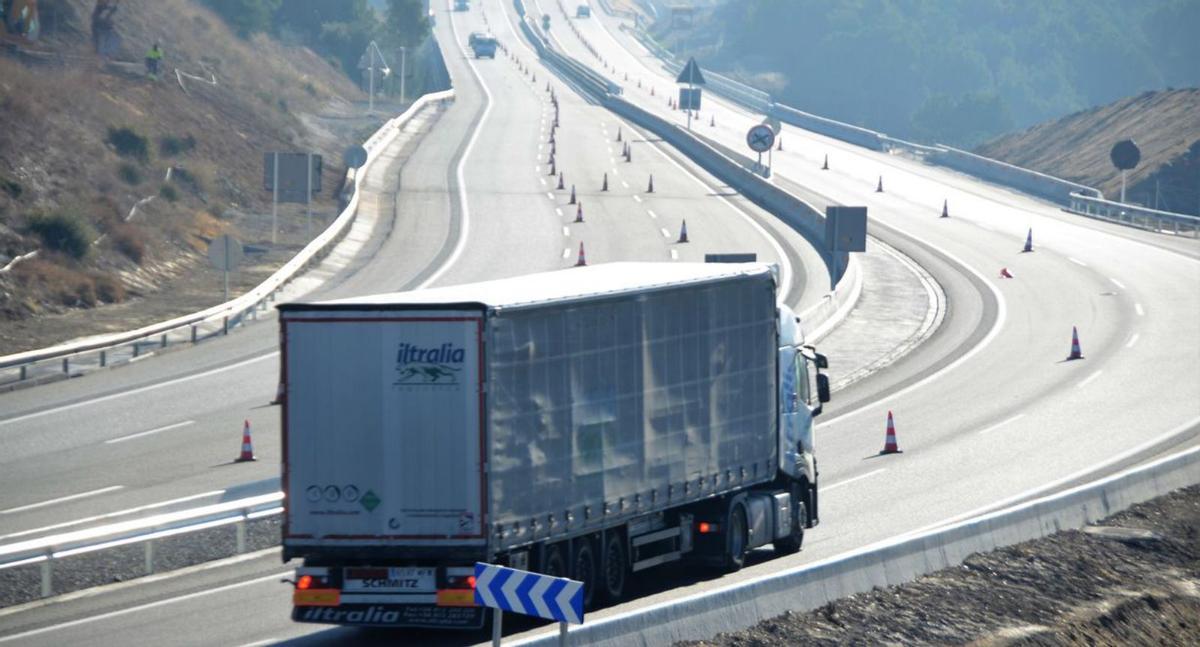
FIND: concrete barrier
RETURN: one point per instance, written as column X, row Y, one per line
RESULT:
column 828, row 127
column 896, row 561
column 1032, row 182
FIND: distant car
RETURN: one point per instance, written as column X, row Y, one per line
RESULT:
column 583, row 11
column 546, row 22
column 483, row 45
column 462, row 5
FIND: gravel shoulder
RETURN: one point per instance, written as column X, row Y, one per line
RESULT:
column 1133, row 579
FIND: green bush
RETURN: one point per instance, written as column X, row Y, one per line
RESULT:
column 169, row 145
column 168, row 193
column 129, row 174
column 128, row 143
column 128, row 240
column 11, row 187
column 64, row 231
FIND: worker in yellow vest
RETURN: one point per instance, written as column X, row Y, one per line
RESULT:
column 153, row 61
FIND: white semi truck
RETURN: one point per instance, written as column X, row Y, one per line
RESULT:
column 590, row 423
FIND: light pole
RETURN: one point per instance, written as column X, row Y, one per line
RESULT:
column 372, row 52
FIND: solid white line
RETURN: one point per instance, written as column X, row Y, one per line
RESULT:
column 459, row 173
column 1138, row 308
column 665, row 233
column 1076, row 261
column 109, row 515
column 566, row 252
column 62, row 499
column 1132, row 340
column 674, row 254
column 637, row 198
column 1002, row 423
column 651, row 213
column 152, row 431
column 826, row 488
column 1088, row 379
column 261, row 643
column 1117, row 283
column 143, row 389
column 143, row 607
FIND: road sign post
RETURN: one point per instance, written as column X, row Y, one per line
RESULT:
column 760, row 138
column 225, row 254
column 690, row 74
column 1125, row 155
column 533, row 594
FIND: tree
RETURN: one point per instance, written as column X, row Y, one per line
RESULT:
column 245, row 16
column 406, row 22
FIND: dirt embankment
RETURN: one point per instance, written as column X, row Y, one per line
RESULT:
column 1165, row 125
column 1102, row 586
column 85, row 139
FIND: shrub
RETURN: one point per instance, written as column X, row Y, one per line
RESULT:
column 108, row 288
column 128, row 240
column 129, row 174
column 170, row 145
column 128, row 143
column 169, row 193
column 64, row 231
column 11, row 187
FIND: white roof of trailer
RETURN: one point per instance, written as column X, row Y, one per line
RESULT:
column 566, row 284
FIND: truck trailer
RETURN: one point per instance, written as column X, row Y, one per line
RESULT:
column 589, row 423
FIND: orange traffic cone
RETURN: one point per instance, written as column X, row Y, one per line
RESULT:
column 628, row 153
column 879, row 188
column 779, row 147
column 605, row 187
column 889, row 441
column 1028, row 241
column 683, row 233
column 650, row 187
column 945, row 208
column 825, row 166
column 1076, row 351
column 618, row 133
column 712, row 121
column 572, row 195
column 582, row 258
column 579, row 212
column 1005, row 274
column 247, row 446
column 560, row 181
column 652, row 90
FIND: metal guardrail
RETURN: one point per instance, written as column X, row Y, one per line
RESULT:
column 218, row 319
column 1133, row 215
column 46, row 550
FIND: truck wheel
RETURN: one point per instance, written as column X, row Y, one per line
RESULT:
column 553, row 563
column 735, row 541
column 613, row 577
column 791, row 543
column 584, row 570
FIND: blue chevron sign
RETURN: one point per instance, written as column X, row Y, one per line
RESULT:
column 533, row 594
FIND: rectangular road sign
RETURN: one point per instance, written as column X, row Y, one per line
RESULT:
column 689, row 98
column 533, row 594
column 292, row 181
column 846, row 229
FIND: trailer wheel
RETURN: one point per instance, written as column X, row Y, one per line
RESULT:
column 735, row 540
column 553, row 563
column 791, row 543
column 584, row 570
column 614, row 568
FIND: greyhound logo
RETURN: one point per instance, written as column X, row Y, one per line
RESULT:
column 440, row 366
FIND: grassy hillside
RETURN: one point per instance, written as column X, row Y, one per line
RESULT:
column 1165, row 125
column 86, row 139
column 954, row 71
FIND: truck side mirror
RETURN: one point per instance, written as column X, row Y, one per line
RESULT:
column 822, row 387
column 822, row 361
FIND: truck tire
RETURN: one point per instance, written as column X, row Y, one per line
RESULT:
column 584, row 569
column 735, row 540
column 791, row 543
column 612, row 579
column 552, row 561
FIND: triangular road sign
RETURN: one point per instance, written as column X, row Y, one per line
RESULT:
column 691, row 74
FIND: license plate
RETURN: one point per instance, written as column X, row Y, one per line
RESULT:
column 408, row 579
column 316, row 598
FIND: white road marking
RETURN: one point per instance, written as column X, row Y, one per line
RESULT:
column 549, row 195
column 674, row 254
column 542, row 180
column 566, row 231
column 650, row 212
column 624, row 184
column 637, row 198
column 665, row 233
column 152, row 431
column 1088, row 379
column 540, row 147
column 263, row 643
column 615, row 171
column 566, row 252
column 1138, row 308
column 826, row 488
column 63, row 499
column 537, row 169
column 143, row 389
column 558, row 210
column 109, row 515
column 143, row 607
column 610, row 151
column 1117, row 283
column 1002, row 423
column 1076, row 261
column 1132, row 340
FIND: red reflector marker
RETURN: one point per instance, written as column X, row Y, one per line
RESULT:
column 471, row 581
column 704, row 527
column 305, row 582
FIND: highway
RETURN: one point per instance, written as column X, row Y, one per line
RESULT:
column 986, row 411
